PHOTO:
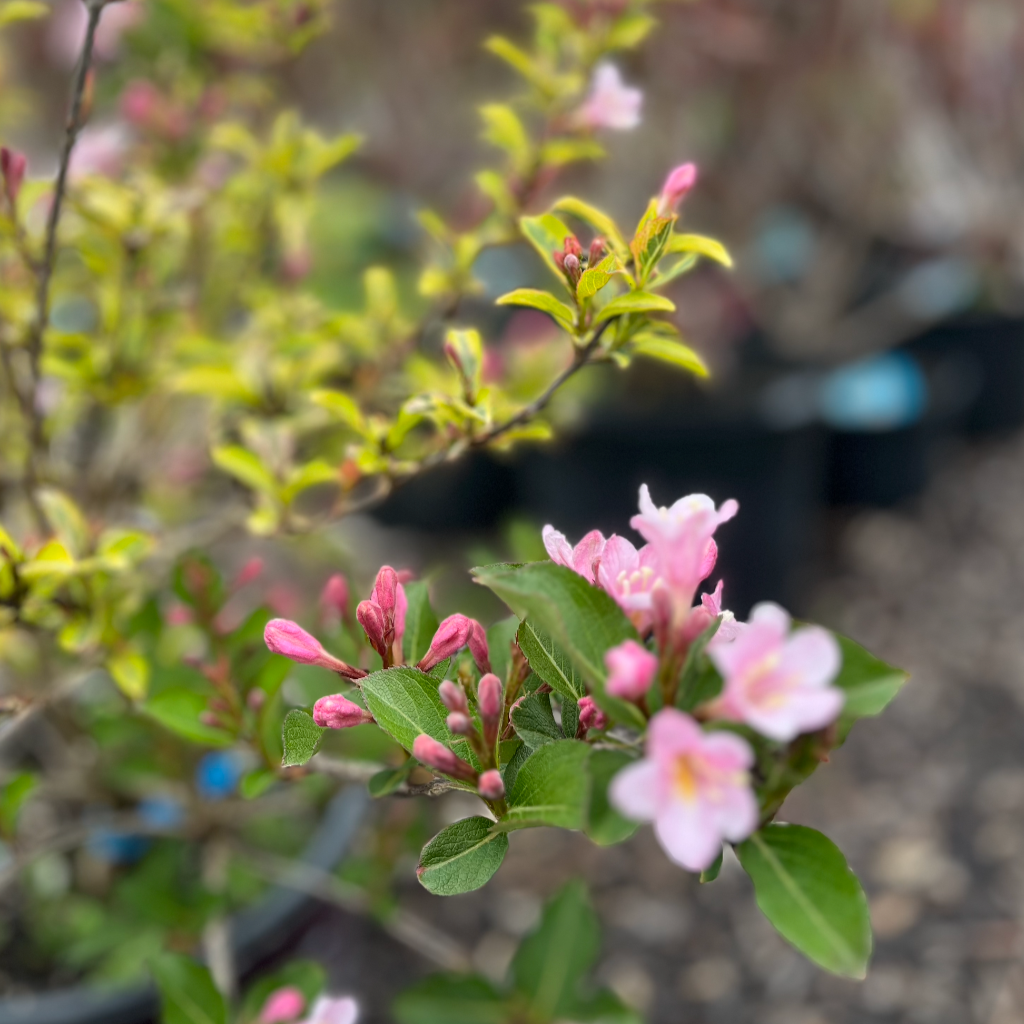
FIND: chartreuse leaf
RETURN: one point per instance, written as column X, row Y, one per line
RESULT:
column 550, row 788
column 595, row 278
column 452, row 999
column 65, row 519
column 305, row 975
column 22, row 10
column 600, row 222
column 534, row 722
column 546, row 234
column 462, row 857
column 582, row 619
column 564, row 315
column 665, row 350
column 420, row 621
column 635, row 302
column 502, row 128
column 868, row 682
column 701, row 246
column 805, row 888
column 130, row 671
column 178, row 709
column 13, row 796
column 301, row 737
column 549, row 662
column 604, row 824
column 187, row 992
column 551, row 962
column 244, row 466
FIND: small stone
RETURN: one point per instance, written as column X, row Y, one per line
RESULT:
column 893, row 913
column 710, row 980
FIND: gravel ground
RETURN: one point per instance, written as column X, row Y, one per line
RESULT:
column 927, row 802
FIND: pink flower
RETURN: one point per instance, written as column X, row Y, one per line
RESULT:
column 629, row 576
column 611, row 103
column 681, row 537
column 730, row 627
column 777, row 682
column 677, row 184
column 338, row 712
column 582, row 559
column 591, row 716
column 285, row 637
column 100, row 150
column 12, row 167
column 631, row 670
column 330, row 1010
column 383, row 616
column 694, row 786
column 456, row 632
column 334, row 598
column 437, row 756
column 490, row 785
column 282, row 1005
column 249, row 573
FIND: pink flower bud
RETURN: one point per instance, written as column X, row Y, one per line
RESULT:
column 460, row 724
column 489, row 696
column 677, row 184
column 334, row 597
column 631, row 669
column 255, row 698
column 209, row 718
column 451, row 636
column 478, row 646
column 490, row 785
column 436, row 755
column 285, row 637
column 596, row 252
column 572, row 268
column 453, row 697
column 141, row 103
column 249, row 573
column 591, row 716
column 12, row 167
column 178, row 615
column 338, row 712
column 282, row 1005
column 385, row 589
column 371, row 618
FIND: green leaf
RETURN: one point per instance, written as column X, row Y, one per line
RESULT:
column 500, row 637
column 517, row 59
column 564, row 315
column 451, row 999
column 547, row 235
column 502, row 128
column 244, row 466
column 582, row 619
column 305, row 975
column 595, row 278
column 551, row 962
column 256, row 783
column 695, row 687
column 388, row 780
column 187, row 992
column 420, row 621
column 405, row 703
column 510, row 767
column 66, row 520
column 549, row 662
column 534, row 722
column 665, row 350
column 130, row 671
column 673, row 270
column 570, row 712
column 868, row 682
column 301, row 737
column 561, row 151
column 629, row 31
column 13, row 796
column 635, row 302
column 603, row 1007
column 178, row 709
column 340, row 405
column 711, row 873
column 605, row 825
column 550, row 788
column 701, row 246
column 805, row 888
column 600, row 222
column 462, row 857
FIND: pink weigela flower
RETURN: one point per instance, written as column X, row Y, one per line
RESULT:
column 631, row 670
column 582, row 559
column 333, row 1010
column 282, row 1005
column 694, row 786
column 611, row 103
column 778, row 682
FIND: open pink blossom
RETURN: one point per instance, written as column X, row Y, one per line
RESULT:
column 694, row 786
column 631, row 670
column 101, row 150
column 582, row 559
column 629, row 576
column 778, row 682
column 282, row 1005
column 730, row 627
column 610, row 103
column 333, row 1010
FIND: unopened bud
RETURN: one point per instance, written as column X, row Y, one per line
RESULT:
column 490, row 785
column 385, row 589
column 460, row 724
column 285, row 637
column 255, row 698
column 453, row 697
column 209, row 718
column 371, row 618
column 12, row 167
column 596, row 252
column 452, row 635
column 679, row 181
column 338, row 712
column 249, row 573
column 489, row 697
column 572, row 267
column 591, row 716
column 334, row 597
column 436, row 755
column 631, row 668
column 478, row 646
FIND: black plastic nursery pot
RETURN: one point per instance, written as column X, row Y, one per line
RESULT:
column 879, row 468
column 258, row 932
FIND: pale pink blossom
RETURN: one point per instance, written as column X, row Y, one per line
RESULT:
column 610, row 103
column 333, row 1010
column 282, row 1005
column 778, row 682
column 694, row 786
column 453, row 696
column 730, row 627
column 629, row 576
column 631, row 670
column 100, row 150
column 582, row 559
column 679, row 181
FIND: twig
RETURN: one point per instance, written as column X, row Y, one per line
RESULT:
column 363, row 771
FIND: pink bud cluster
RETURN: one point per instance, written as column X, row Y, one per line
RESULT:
column 382, row 616
column 456, row 632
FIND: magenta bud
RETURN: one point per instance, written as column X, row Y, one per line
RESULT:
column 478, row 646
column 460, row 724
column 572, row 267
column 453, row 697
column 679, row 181
column 285, row 637
column 490, row 785
column 490, row 697
column 334, row 596
column 255, row 698
column 436, row 755
column 385, row 590
column 596, row 252
column 249, row 573
column 371, row 618
column 338, row 712
column 591, row 716
column 209, row 718
column 282, row 1005
column 451, row 636
column 12, row 167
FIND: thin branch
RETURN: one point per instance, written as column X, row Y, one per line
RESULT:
column 363, row 771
